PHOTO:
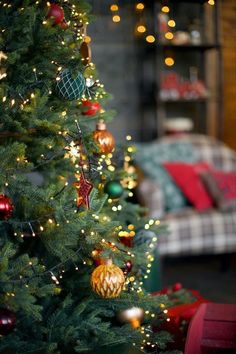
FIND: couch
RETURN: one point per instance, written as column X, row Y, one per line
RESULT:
column 189, row 231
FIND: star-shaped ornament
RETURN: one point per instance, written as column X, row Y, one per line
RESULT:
column 84, row 188
column 73, row 151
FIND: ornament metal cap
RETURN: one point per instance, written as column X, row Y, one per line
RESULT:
column 108, row 261
column 101, row 125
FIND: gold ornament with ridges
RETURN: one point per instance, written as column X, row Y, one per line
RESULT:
column 103, row 138
column 107, row 280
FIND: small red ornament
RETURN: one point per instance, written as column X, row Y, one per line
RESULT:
column 103, row 138
column 90, row 108
column 6, row 207
column 56, row 12
column 84, row 188
column 7, row 321
column 177, row 286
column 128, row 267
column 164, row 291
column 97, row 253
column 97, row 260
column 127, row 241
column 64, row 25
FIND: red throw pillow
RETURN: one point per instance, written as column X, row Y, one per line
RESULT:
column 226, row 182
column 222, row 187
column 187, row 177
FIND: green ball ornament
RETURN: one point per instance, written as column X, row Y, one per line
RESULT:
column 70, row 88
column 114, row 189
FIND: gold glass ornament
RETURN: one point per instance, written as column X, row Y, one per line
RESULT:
column 134, row 316
column 103, row 138
column 107, row 280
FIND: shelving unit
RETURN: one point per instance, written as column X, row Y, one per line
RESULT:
column 192, row 86
column 189, row 46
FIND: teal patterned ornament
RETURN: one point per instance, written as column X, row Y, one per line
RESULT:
column 69, row 88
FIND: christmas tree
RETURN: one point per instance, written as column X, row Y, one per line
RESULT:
column 74, row 248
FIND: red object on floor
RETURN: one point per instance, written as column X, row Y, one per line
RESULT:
column 179, row 317
column 183, row 312
column 212, row 330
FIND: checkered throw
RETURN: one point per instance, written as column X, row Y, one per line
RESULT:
column 192, row 232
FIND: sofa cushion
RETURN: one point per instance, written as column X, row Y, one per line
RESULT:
column 222, row 186
column 208, row 148
column 150, row 157
column 187, row 177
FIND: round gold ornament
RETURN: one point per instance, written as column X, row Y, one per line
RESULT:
column 107, row 280
column 103, row 138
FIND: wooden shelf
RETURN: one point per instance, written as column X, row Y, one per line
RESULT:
column 205, row 112
column 183, row 100
column 203, row 46
column 189, row 1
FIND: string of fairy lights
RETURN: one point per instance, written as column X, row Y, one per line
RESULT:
column 141, row 29
column 79, row 22
column 73, row 152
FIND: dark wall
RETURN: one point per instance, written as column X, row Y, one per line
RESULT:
column 114, row 53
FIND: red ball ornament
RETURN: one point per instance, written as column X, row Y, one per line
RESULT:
column 103, row 138
column 56, row 12
column 164, row 291
column 90, row 108
column 127, row 241
column 64, row 25
column 7, row 321
column 96, row 255
column 6, row 207
column 177, row 286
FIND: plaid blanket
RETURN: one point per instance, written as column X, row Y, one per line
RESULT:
column 191, row 232
column 196, row 233
column 209, row 149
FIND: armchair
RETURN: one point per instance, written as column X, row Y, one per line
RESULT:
column 189, row 231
